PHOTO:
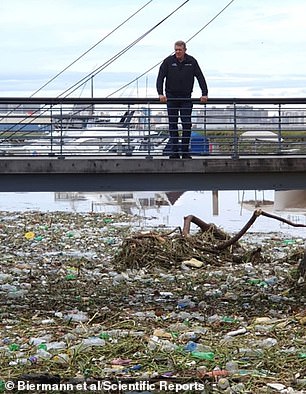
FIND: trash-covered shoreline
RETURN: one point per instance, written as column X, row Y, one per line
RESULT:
column 71, row 310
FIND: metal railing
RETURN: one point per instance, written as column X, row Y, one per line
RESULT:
column 139, row 127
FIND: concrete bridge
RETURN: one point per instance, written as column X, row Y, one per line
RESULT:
column 140, row 174
column 75, row 144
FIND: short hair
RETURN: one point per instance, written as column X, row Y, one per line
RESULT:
column 180, row 43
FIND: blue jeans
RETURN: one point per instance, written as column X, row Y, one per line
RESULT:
column 182, row 108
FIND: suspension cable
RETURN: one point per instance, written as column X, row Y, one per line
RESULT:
column 85, row 79
column 117, row 55
column 68, row 66
column 189, row 39
column 91, row 48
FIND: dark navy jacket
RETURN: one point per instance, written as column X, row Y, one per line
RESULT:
column 180, row 77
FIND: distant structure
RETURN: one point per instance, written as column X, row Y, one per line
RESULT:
column 23, row 117
column 25, row 109
column 246, row 116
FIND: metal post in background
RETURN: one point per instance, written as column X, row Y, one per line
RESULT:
column 215, row 201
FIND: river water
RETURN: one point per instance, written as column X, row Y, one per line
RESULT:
column 229, row 210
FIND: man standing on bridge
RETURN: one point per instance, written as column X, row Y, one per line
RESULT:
column 179, row 71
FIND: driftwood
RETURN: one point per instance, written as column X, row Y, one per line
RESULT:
column 203, row 226
column 256, row 214
column 228, row 242
column 206, row 226
column 302, row 266
column 161, row 249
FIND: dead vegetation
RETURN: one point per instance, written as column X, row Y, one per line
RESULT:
column 86, row 297
column 210, row 245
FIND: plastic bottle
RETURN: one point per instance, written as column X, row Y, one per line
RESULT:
column 136, row 367
column 300, row 382
column 70, row 277
column 7, row 287
column 238, row 388
column 271, row 280
column 17, row 294
column 191, row 346
column 254, row 281
column 2, row 386
column 36, row 341
column 240, row 331
column 56, row 345
column 4, row 278
column 228, row 319
column 275, row 298
column 104, row 335
column 155, row 343
column 213, row 319
column 288, row 241
column 196, row 347
column 251, row 352
column 33, row 359
column 19, row 361
column 223, row 383
column 187, row 335
column 232, row 367
column 203, row 355
column 13, row 347
column 185, row 303
column 268, row 343
column 168, row 346
column 43, row 354
column 77, row 316
column 93, row 341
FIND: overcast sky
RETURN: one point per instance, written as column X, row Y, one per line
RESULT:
column 255, row 48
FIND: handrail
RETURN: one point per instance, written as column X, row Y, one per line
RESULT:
column 231, row 127
column 145, row 100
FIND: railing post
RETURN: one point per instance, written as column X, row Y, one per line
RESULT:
column 205, row 121
column 61, row 135
column 279, row 128
column 257, row 116
column 149, row 156
column 129, row 151
column 51, row 132
column 235, row 154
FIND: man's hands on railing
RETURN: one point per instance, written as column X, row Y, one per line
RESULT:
column 163, row 99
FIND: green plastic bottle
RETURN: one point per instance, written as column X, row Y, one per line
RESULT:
column 13, row 347
column 203, row 355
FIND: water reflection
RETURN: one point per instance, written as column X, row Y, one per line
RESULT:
column 227, row 209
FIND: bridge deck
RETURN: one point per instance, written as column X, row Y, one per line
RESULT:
column 129, row 173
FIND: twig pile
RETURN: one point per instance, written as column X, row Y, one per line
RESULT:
column 166, row 251
column 211, row 245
